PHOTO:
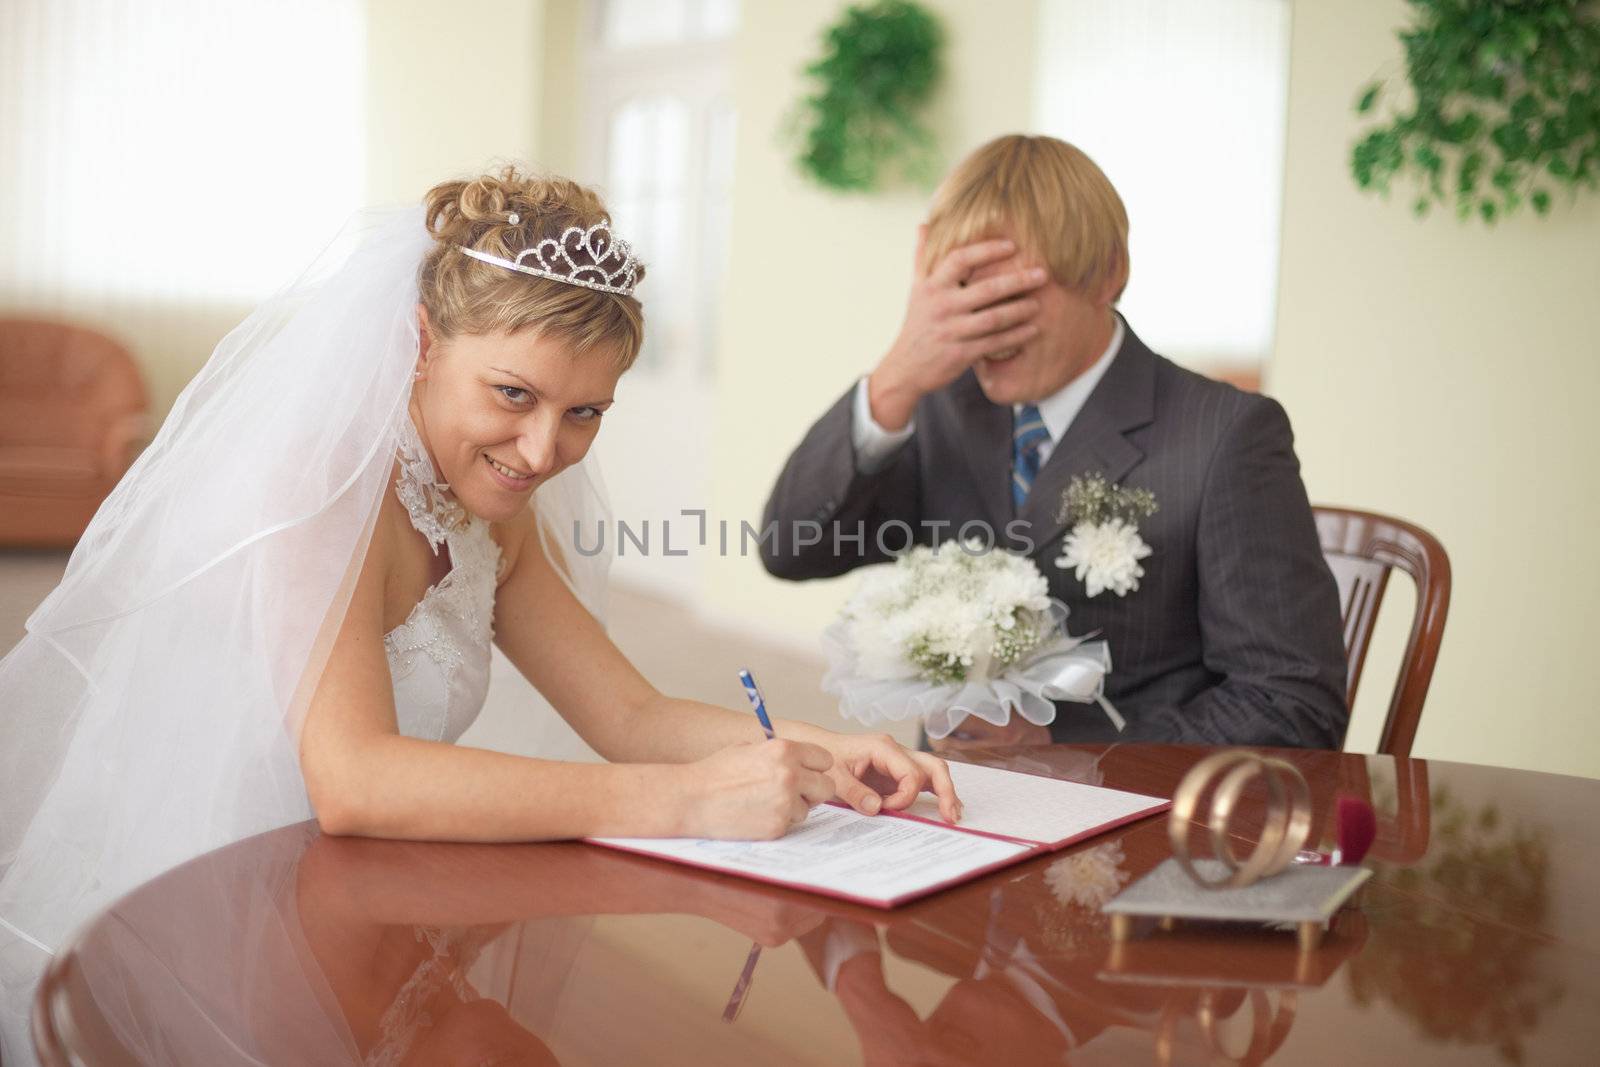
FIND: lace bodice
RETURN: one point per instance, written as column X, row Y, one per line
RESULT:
column 439, row 657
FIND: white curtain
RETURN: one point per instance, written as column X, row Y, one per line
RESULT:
column 157, row 150
column 1183, row 104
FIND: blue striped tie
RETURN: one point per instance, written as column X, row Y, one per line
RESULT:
column 1027, row 435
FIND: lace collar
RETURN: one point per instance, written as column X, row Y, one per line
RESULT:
column 434, row 513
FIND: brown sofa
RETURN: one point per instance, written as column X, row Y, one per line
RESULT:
column 72, row 417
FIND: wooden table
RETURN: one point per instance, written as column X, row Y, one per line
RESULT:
column 1477, row 941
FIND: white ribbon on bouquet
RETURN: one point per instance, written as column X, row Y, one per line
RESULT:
column 1062, row 668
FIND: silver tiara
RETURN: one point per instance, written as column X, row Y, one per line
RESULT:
column 591, row 258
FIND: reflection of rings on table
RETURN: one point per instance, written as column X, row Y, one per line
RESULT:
column 1268, row 1026
column 1285, row 827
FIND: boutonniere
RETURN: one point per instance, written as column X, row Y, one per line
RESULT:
column 1103, row 548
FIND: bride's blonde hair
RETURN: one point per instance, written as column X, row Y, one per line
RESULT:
column 464, row 295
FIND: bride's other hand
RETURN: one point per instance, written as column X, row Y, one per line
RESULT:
column 874, row 771
column 756, row 790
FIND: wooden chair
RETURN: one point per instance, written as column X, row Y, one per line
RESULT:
column 1362, row 547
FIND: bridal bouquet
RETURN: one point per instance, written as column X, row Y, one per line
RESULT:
column 959, row 630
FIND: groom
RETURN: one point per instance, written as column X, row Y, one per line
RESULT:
column 1012, row 374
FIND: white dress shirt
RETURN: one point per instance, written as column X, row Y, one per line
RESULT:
column 876, row 446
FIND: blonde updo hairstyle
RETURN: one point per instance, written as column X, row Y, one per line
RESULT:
column 466, row 296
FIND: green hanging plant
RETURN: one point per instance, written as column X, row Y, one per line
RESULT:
column 880, row 65
column 1506, row 92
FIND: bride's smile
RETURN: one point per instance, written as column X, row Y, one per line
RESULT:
column 514, row 478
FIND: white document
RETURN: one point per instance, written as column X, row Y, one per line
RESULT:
column 1032, row 808
column 878, row 859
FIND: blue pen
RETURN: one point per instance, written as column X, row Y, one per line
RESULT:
column 741, row 988
column 754, row 693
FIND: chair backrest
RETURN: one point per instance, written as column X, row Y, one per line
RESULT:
column 62, row 384
column 1362, row 547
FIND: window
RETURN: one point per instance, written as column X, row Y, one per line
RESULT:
column 626, row 24
column 1183, row 104
column 658, row 137
column 660, row 126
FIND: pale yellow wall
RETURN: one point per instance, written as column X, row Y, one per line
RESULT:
column 450, row 88
column 817, row 280
column 561, row 93
column 1449, row 373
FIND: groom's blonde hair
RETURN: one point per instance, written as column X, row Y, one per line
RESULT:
column 1044, row 194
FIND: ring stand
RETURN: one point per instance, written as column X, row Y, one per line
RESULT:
column 1307, row 897
column 1263, row 887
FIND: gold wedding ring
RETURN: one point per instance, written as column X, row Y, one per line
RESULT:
column 1285, row 825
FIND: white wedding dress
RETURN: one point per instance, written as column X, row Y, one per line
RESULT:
column 439, row 657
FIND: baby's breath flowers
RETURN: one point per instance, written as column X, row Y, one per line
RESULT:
column 1092, row 499
column 1103, row 548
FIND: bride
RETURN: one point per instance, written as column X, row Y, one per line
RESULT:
column 285, row 609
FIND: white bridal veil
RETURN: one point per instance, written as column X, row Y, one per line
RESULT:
column 151, row 712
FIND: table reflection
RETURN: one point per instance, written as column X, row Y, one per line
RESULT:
column 1465, row 980
column 299, row 948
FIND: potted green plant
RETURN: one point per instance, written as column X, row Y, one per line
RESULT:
column 1503, row 108
column 880, row 65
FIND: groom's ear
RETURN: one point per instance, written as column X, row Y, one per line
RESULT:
column 1116, row 281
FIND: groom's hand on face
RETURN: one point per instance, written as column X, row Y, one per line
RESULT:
column 951, row 324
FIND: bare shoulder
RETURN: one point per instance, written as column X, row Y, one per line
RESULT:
column 398, row 568
column 388, row 532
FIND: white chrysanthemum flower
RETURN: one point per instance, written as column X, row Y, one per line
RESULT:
column 1089, row 878
column 1104, row 556
column 948, row 614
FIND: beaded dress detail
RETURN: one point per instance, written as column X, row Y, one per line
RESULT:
column 439, row 983
column 439, row 657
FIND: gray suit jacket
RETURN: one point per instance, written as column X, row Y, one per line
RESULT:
column 1234, row 634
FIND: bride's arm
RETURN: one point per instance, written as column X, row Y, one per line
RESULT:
column 567, row 655
column 363, row 777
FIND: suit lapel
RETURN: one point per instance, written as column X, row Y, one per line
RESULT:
column 1096, row 442
column 986, row 429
